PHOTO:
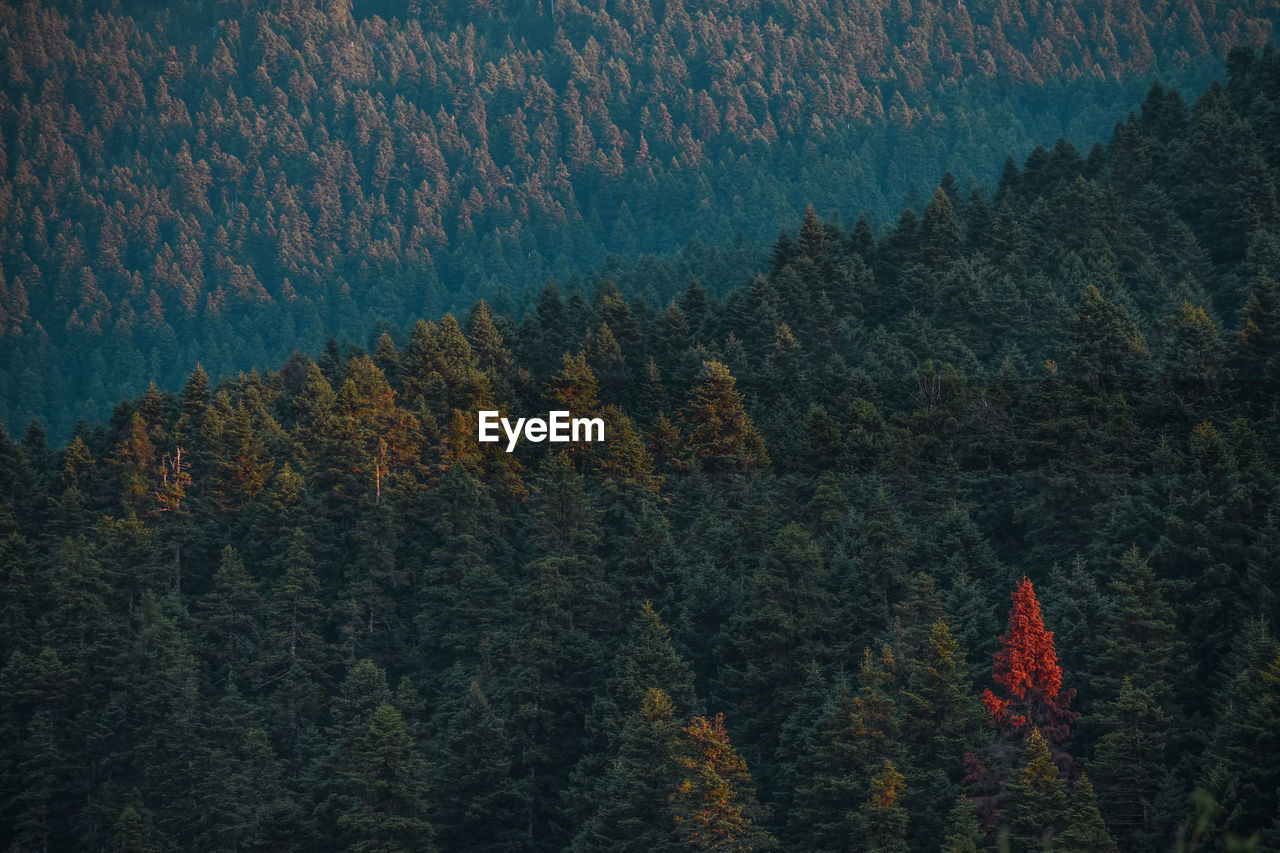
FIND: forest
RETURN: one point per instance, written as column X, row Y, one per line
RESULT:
column 220, row 181
column 955, row 535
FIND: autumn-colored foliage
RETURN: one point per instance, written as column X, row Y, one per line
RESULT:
column 1026, row 669
column 713, row 803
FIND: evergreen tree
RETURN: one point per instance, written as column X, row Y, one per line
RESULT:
column 1026, row 668
column 720, row 434
column 1242, row 758
column 715, row 808
column 1085, row 830
column 1129, row 761
column 1038, row 810
column 386, row 776
column 231, row 615
column 883, row 814
column 963, row 835
column 1105, row 342
column 633, row 801
column 477, row 802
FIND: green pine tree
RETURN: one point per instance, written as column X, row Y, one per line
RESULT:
column 386, row 776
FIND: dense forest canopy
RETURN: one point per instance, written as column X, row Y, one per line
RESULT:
column 218, row 182
column 958, row 536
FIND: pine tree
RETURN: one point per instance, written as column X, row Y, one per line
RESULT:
column 477, row 802
column 1105, row 342
column 883, row 814
column 37, row 763
column 376, row 586
column 135, row 458
column 387, row 358
column 941, row 715
column 633, row 809
column 231, row 616
column 649, row 660
column 646, row 662
column 553, row 662
column 720, row 434
column 242, row 799
column 1140, row 640
column 134, row 830
column 386, row 777
column 1085, row 831
column 575, row 388
column 715, row 808
column 854, row 737
column 462, row 592
column 194, row 403
column 1206, row 528
column 487, row 344
column 1129, row 762
column 830, row 777
column 963, row 835
column 785, row 618
column 1257, row 343
column 1193, row 369
column 1242, row 758
column 294, row 657
column 1027, row 671
column 941, row 231
column 1038, row 809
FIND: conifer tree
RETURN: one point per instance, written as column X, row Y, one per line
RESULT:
column 242, row 801
column 1257, row 343
column 387, row 358
column 386, row 777
column 462, row 592
column 1129, row 762
column 486, row 341
column 646, row 662
column 231, row 616
column 575, row 387
column 552, row 663
column 720, row 434
column 1105, row 341
column 1038, row 809
column 294, row 658
column 830, row 777
column 785, row 616
column 1085, row 831
column 940, row 231
column 633, row 800
column 1027, row 671
column 1242, row 757
column 1140, row 641
column 715, row 807
column 941, row 714
column 376, row 586
column 476, row 800
column 883, row 814
column 38, row 765
column 134, row 830
column 963, row 835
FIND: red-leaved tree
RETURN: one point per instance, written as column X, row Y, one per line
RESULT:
column 1027, row 672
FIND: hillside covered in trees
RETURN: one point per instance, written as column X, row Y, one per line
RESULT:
column 957, row 537
column 219, row 182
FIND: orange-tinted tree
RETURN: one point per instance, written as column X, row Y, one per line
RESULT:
column 1027, row 672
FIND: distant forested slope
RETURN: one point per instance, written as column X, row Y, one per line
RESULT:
column 306, row 610
column 218, row 181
